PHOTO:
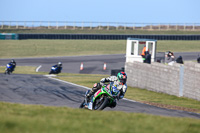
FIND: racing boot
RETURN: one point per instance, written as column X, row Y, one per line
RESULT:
column 88, row 96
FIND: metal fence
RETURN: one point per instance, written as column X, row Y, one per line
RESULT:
column 107, row 36
column 98, row 25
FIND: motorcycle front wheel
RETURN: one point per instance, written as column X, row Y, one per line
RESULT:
column 100, row 104
column 50, row 72
column 82, row 105
column 7, row 72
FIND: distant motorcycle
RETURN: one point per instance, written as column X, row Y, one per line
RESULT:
column 9, row 68
column 55, row 70
column 104, row 97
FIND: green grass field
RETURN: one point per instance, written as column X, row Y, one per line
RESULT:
column 47, row 48
column 18, row 118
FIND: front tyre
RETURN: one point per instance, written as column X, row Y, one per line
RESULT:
column 7, row 72
column 101, row 104
column 82, row 105
column 50, row 72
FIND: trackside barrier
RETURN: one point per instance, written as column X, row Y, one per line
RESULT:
column 179, row 80
column 8, row 36
column 107, row 36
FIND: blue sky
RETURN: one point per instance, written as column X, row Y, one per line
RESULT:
column 134, row 11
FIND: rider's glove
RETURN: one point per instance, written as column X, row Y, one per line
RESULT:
column 102, row 81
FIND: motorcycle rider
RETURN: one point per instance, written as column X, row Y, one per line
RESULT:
column 58, row 67
column 13, row 64
column 119, row 82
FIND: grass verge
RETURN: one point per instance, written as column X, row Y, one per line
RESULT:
column 50, row 48
column 41, row 119
column 141, row 95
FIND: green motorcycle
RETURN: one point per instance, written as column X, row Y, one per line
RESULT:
column 104, row 97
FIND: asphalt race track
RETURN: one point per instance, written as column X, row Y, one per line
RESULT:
column 92, row 64
column 41, row 90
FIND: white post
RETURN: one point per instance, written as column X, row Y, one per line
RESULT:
column 90, row 26
column 193, row 26
column 2, row 25
column 184, row 27
column 65, row 25
column 108, row 27
column 74, row 26
column 9, row 25
column 24, row 25
column 124, row 26
column 99, row 26
column 168, row 27
column 48, row 25
column 82, row 25
column 17, row 25
column 181, row 74
column 151, row 28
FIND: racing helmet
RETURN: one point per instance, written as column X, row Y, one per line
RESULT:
column 59, row 64
column 12, row 60
column 122, row 77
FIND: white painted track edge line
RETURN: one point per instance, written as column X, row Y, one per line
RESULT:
column 69, row 83
column 37, row 69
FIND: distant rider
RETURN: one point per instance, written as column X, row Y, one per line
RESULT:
column 58, row 67
column 119, row 82
column 13, row 64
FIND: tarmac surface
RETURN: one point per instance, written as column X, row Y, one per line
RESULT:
column 92, row 64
